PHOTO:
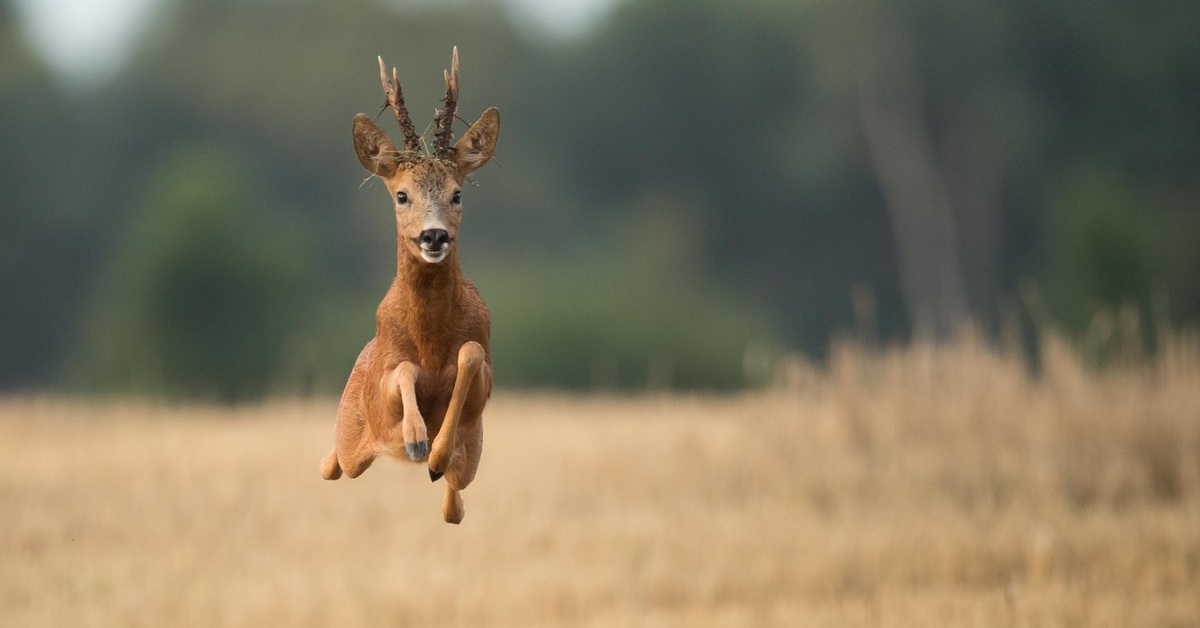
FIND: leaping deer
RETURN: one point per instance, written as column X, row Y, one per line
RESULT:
column 427, row 373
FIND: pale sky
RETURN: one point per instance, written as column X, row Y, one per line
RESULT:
column 90, row 38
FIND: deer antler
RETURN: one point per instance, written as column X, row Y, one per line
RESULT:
column 395, row 98
column 445, row 116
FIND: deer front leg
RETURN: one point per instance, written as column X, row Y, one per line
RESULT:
column 401, row 385
column 471, row 360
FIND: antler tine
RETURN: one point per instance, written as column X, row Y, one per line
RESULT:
column 395, row 98
column 445, row 115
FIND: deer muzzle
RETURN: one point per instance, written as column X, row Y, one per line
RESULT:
column 434, row 244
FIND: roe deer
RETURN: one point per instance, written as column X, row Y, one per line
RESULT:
column 427, row 373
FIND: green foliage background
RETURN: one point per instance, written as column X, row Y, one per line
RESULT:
column 679, row 185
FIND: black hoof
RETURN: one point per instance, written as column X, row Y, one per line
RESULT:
column 417, row 451
column 434, row 476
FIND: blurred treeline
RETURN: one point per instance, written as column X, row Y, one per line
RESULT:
column 686, row 189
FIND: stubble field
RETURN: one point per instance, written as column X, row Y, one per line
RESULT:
column 920, row 486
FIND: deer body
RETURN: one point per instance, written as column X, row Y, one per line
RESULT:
column 419, row 387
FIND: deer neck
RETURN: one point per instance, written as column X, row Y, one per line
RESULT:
column 425, row 299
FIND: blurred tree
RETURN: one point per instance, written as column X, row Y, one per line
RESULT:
column 1106, row 251
column 42, row 230
column 632, row 311
column 203, row 288
column 915, row 188
column 997, row 108
column 725, row 102
column 1118, row 85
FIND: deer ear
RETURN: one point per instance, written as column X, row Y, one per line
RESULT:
column 476, row 146
column 375, row 151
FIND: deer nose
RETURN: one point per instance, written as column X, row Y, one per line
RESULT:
column 434, row 239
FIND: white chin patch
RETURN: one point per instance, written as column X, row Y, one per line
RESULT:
column 433, row 257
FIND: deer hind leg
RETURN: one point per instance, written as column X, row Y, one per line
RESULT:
column 350, row 451
column 400, row 392
column 452, row 507
column 352, row 447
column 462, row 470
column 330, row 469
column 469, row 380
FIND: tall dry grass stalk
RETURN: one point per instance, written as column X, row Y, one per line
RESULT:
column 923, row 485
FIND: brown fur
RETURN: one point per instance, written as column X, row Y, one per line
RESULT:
column 427, row 374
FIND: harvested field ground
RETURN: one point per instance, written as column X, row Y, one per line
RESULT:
column 917, row 487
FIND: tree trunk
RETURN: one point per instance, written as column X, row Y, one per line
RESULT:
column 914, row 190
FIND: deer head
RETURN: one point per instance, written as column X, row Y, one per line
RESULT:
column 426, row 189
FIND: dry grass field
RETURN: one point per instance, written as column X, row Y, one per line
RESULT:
column 911, row 487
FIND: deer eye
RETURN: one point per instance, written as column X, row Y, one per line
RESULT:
column 402, row 197
column 457, row 198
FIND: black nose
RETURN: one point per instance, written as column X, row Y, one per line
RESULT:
column 434, row 239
